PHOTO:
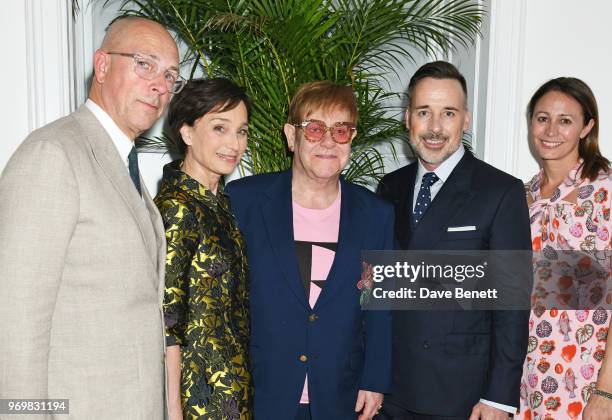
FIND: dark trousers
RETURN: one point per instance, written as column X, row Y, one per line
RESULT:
column 392, row 411
column 303, row 412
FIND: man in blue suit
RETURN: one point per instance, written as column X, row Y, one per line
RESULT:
column 315, row 354
column 453, row 364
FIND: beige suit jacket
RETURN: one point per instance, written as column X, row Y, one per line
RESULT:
column 82, row 259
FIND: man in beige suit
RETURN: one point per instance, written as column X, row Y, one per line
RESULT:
column 82, row 244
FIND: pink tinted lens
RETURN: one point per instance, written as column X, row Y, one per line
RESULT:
column 314, row 131
column 341, row 133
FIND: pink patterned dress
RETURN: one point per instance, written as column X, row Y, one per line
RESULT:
column 566, row 346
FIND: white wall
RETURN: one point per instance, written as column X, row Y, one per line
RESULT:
column 532, row 42
column 35, row 40
column 50, row 58
column 566, row 38
column 14, row 107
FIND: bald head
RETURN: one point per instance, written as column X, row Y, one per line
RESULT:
column 133, row 102
column 123, row 30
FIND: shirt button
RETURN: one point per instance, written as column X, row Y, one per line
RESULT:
column 303, row 358
column 426, row 345
column 312, row 317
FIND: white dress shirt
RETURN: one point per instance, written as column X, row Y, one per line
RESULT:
column 120, row 140
column 443, row 172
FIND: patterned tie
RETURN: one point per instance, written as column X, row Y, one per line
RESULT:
column 133, row 167
column 424, row 197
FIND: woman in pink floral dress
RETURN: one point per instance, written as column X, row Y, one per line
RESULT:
column 569, row 207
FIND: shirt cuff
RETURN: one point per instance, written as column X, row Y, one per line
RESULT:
column 506, row 408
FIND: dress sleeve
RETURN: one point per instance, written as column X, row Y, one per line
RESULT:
column 182, row 239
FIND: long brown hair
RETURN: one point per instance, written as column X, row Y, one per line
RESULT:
column 588, row 148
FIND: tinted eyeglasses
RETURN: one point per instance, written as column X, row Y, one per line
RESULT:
column 314, row 130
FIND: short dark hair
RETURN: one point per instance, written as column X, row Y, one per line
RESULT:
column 588, row 148
column 199, row 97
column 436, row 70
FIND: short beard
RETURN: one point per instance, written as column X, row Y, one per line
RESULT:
column 433, row 136
column 424, row 154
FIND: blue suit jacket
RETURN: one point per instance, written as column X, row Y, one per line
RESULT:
column 345, row 348
column 444, row 361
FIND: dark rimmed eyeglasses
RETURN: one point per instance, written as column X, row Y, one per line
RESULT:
column 147, row 68
column 314, row 131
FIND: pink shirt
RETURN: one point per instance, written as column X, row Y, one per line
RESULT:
column 319, row 229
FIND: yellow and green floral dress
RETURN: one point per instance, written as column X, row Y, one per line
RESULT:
column 206, row 298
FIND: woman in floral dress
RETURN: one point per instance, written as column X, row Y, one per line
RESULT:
column 569, row 206
column 206, row 301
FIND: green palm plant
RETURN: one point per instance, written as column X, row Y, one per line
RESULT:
column 272, row 46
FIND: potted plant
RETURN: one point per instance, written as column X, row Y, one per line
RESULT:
column 272, row 46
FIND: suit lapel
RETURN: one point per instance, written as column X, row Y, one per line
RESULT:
column 348, row 239
column 106, row 155
column 278, row 218
column 453, row 195
column 160, row 238
column 404, row 223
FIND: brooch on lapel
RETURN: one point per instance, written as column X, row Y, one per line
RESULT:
column 365, row 283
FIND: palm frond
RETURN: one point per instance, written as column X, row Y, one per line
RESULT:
column 76, row 8
column 366, row 167
column 163, row 143
column 271, row 47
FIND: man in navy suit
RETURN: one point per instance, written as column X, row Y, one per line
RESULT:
column 453, row 364
column 315, row 354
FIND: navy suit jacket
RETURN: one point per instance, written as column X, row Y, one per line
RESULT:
column 445, row 362
column 345, row 348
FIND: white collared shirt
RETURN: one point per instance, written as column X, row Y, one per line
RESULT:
column 120, row 140
column 443, row 172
